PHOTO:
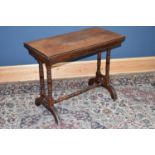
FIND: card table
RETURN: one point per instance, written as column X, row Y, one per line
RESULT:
column 70, row 46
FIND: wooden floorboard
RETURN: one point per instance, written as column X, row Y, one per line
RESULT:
column 77, row 69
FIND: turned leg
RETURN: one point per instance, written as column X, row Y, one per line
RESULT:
column 39, row 100
column 106, row 83
column 50, row 105
column 99, row 55
column 107, row 67
column 98, row 71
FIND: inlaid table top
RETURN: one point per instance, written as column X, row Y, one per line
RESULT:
column 73, row 42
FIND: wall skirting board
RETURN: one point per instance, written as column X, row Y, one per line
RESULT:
column 77, row 69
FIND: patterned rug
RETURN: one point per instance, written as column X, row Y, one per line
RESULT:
column 135, row 107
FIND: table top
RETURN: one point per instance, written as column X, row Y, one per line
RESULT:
column 74, row 41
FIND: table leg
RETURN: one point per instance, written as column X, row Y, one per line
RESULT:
column 39, row 100
column 99, row 76
column 106, row 83
column 104, row 79
column 99, row 55
column 50, row 105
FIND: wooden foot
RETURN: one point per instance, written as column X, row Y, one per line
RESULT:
column 102, row 81
column 38, row 101
column 53, row 112
column 44, row 101
column 112, row 91
column 51, row 108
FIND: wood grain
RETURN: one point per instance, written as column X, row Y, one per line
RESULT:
column 75, row 41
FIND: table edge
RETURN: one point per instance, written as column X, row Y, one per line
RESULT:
column 46, row 58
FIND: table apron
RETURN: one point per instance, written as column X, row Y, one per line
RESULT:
column 79, row 54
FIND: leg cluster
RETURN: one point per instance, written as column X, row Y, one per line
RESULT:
column 104, row 80
column 46, row 100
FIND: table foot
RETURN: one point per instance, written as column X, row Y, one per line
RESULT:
column 39, row 101
column 52, row 109
column 100, row 79
column 112, row 91
column 54, row 113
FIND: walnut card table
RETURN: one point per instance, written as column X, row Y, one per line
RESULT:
column 67, row 47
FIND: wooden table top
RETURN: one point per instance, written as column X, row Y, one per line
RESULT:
column 73, row 42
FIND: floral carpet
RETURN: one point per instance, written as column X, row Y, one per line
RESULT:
column 134, row 108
